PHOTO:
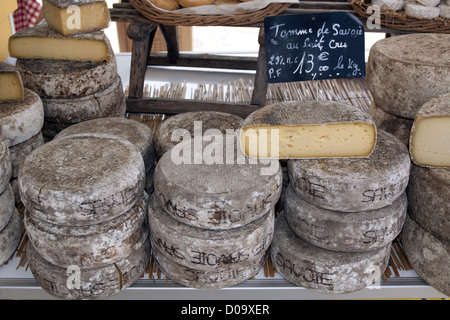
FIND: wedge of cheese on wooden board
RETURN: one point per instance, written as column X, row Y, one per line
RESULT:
column 210, row 184
column 71, row 17
column 82, row 180
column 430, row 134
column 19, row 121
column 7, row 206
column 428, row 197
column 204, row 249
column 10, row 236
column 342, row 231
column 11, row 85
column 21, row 150
column 5, row 165
column 405, row 72
column 195, row 122
column 324, row 270
column 43, row 42
column 429, row 255
column 94, row 284
column 62, row 79
column 308, row 129
column 354, row 184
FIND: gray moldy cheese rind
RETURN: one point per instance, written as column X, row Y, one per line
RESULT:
column 429, row 144
column 82, row 180
column 96, row 105
column 347, row 232
column 324, row 270
column 94, row 284
column 7, row 206
column 19, row 121
column 62, row 79
column 406, row 71
column 90, row 246
column 355, row 184
column 398, row 126
column 10, row 236
column 134, row 131
column 428, row 196
column 308, row 129
column 428, row 255
column 218, row 278
column 204, row 249
column 21, row 150
column 219, row 194
column 5, row 165
column 185, row 121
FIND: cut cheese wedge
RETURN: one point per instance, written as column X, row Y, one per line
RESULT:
column 43, row 42
column 73, row 17
column 308, row 129
column 430, row 134
column 11, row 86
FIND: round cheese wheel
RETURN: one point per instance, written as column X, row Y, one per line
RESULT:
column 134, row 131
column 5, row 165
column 428, row 194
column 444, row 11
column 88, row 284
column 19, row 121
column 215, row 192
column 63, row 79
column 7, row 206
column 21, row 150
column 218, row 278
column 189, row 123
column 324, row 270
column 204, row 249
column 82, row 180
column 429, row 255
column 96, row 105
column 406, row 71
column 10, row 236
column 354, row 184
column 342, row 231
column 90, row 246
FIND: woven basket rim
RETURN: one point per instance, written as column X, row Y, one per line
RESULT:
column 169, row 18
column 399, row 21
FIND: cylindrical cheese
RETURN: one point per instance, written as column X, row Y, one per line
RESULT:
column 324, row 270
column 342, row 231
column 10, row 236
column 405, row 71
column 7, row 206
column 21, row 150
column 356, row 184
column 5, row 165
column 82, row 180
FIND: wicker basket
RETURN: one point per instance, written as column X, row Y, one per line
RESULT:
column 168, row 18
column 400, row 21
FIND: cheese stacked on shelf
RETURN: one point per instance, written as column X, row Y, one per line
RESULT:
column 212, row 212
column 421, row 9
column 70, row 64
column 344, row 203
column 85, row 215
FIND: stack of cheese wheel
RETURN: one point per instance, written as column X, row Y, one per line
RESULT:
column 70, row 64
column 342, row 210
column 211, row 215
column 21, row 119
column 85, row 215
column 426, row 235
column 404, row 72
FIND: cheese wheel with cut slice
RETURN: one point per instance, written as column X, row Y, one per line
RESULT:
column 355, row 184
column 11, row 84
column 324, row 270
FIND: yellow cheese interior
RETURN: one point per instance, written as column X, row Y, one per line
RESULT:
column 59, row 49
column 308, row 141
column 11, row 88
column 83, row 18
column 430, row 142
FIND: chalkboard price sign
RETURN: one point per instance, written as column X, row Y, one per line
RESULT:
column 314, row 46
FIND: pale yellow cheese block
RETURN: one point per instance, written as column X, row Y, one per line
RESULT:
column 11, row 85
column 70, row 17
column 308, row 129
column 43, row 42
column 430, row 133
